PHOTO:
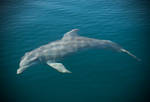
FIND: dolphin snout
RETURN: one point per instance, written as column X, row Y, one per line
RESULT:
column 21, row 69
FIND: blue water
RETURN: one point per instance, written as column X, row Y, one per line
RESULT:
column 97, row 75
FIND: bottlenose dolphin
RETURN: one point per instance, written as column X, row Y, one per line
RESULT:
column 70, row 43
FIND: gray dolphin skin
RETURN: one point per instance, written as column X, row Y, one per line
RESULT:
column 71, row 42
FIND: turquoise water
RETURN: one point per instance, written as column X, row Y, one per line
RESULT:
column 97, row 75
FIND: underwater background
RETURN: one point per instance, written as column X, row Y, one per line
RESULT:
column 97, row 75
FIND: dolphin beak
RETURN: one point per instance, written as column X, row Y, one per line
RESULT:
column 21, row 69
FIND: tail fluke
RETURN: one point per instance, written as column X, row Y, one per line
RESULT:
column 123, row 50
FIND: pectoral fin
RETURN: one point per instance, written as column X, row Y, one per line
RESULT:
column 59, row 67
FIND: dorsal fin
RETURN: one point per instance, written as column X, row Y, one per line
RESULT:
column 71, row 33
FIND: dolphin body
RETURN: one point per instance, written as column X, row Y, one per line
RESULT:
column 70, row 43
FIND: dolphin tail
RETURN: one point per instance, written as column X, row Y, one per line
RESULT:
column 125, row 51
